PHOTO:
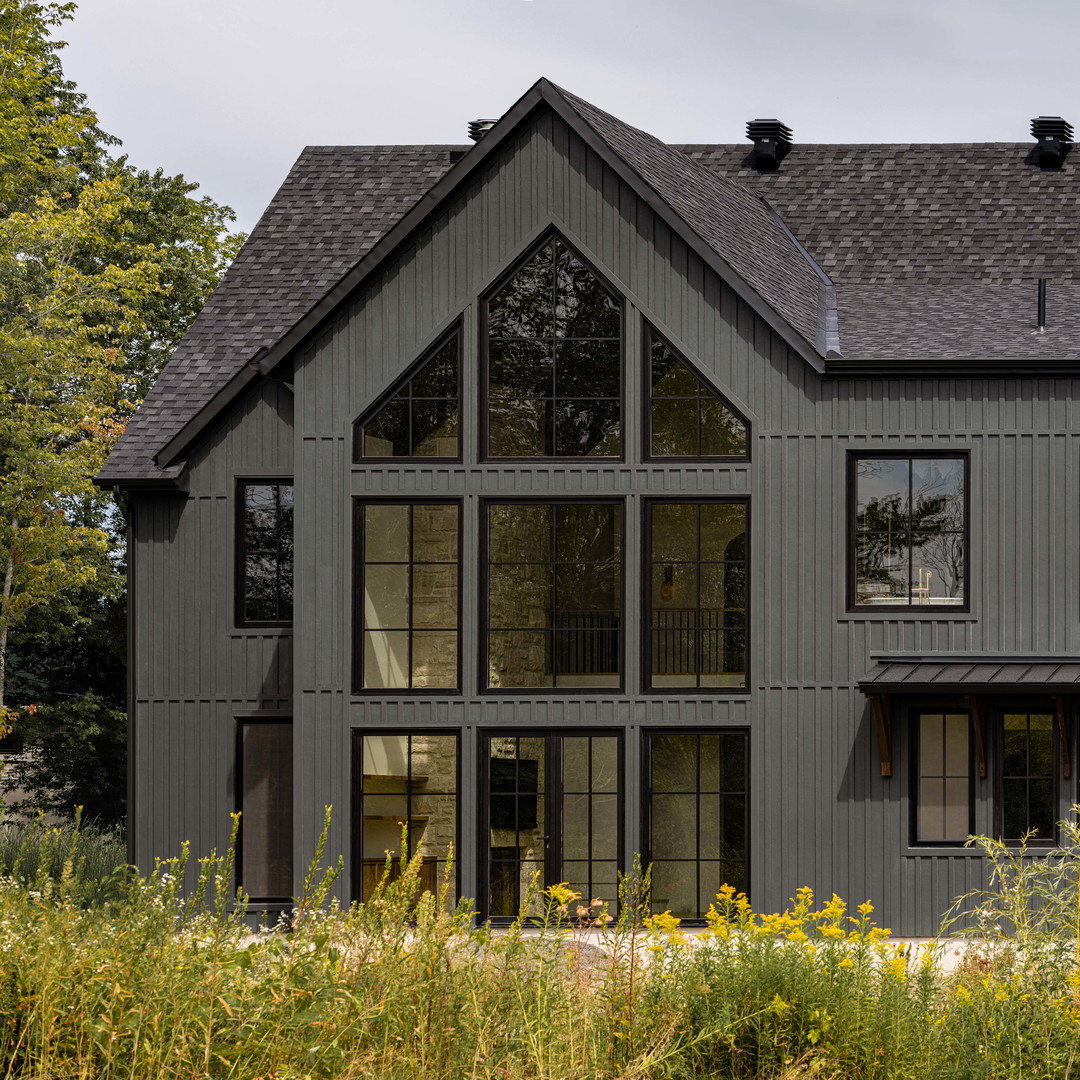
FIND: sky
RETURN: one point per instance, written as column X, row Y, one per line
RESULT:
column 228, row 92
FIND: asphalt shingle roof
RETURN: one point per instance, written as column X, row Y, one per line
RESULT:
column 934, row 250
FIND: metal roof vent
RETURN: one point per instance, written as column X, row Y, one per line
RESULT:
column 479, row 128
column 1053, row 136
column 772, row 141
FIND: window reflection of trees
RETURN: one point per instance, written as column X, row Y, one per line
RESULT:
column 910, row 537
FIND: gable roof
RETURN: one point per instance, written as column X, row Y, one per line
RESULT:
column 922, row 255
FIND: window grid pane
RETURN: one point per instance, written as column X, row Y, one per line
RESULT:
column 266, row 543
column 554, row 606
column 698, row 601
column 1028, row 790
column 554, row 361
column 697, row 814
column 910, row 531
column 410, row 612
column 421, row 419
column 943, row 796
column 408, row 783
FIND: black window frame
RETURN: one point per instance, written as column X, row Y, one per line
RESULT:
column 356, row 839
column 483, row 367
column 358, row 688
column 483, row 667
column 359, row 458
column 854, row 456
column 646, row 602
column 243, row 720
column 649, row 333
column 553, row 814
column 647, row 735
column 915, row 713
column 1029, row 706
column 240, row 619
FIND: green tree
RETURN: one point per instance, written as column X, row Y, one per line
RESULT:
column 102, row 268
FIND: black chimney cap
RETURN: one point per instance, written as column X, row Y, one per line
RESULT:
column 772, row 141
column 479, row 128
column 1053, row 135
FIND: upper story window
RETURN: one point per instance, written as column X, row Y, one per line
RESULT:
column 264, row 592
column 909, row 530
column 407, row 609
column 554, row 361
column 554, row 573
column 687, row 418
column 419, row 418
column 697, row 594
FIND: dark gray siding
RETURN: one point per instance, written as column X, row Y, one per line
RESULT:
column 193, row 669
column 821, row 814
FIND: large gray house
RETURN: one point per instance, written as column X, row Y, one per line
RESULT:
column 571, row 495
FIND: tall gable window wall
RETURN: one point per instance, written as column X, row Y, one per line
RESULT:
column 517, row 561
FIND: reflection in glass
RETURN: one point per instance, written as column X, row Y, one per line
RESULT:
column 1028, row 795
column 944, row 782
column 409, row 784
column 697, row 589
column 554, row 361
column 517, row 833
column 910, row 531
column 409, row 617
column 687, row 418
column 267, row 550
column 697, row 819
column 554, row 594
column 421, row 419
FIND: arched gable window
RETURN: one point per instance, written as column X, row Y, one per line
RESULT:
column 418, row 416
column 687, row 418
column 554, row 360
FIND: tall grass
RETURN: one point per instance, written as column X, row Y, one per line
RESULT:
column 150, row 982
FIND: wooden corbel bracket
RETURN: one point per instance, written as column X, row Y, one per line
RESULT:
column 1063, row 717
column 883, row 721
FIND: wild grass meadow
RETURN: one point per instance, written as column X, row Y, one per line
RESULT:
column 106, row 975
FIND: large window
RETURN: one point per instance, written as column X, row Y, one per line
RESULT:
column 407, row 606
column 552, row 814
column 264, row 535
column 408, row 783
column 687, row 418
column 265, row 802
column 697, row 594
column 909, row 530
column 697, row 824
column 943, row 796
column 554, row 596
column 420, row 417
column 554, row 364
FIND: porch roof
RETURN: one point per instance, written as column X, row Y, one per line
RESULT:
column 972, row 674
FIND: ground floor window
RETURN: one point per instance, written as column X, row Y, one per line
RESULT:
column 697, row 818
column 552, row 814
column 944, row 809
column 1028, row 793
column 265, row 802
column 990, row 767
column 406, row 782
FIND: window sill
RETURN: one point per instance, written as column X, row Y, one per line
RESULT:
column 913, row 614
column 260, row 631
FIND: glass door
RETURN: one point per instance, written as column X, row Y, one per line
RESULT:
column 551, row 815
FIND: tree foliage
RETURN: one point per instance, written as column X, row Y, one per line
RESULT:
column 102, row 268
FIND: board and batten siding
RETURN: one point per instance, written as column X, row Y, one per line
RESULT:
column 194, row 670
column 821, row 814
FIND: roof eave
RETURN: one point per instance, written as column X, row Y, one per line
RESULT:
column 542, row 92
column 968, row 367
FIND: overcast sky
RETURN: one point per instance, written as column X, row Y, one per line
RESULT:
column 227, row 92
